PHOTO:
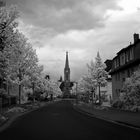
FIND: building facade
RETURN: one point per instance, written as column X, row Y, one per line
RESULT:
column 124, row 64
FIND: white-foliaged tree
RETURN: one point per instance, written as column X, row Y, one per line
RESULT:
column 7, row 27
column 95, row 78
column 18, row 59
column 86, row 87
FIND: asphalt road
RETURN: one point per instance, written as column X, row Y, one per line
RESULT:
column 59, row 121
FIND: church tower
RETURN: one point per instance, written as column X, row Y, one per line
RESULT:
column 67, row 69
column 66, row 78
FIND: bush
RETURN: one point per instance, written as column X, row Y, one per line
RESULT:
column 131, row 89
column 118, row 104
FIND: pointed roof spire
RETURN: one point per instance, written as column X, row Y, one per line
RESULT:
column 98, row 54
column 67, row 61
column 98, row 59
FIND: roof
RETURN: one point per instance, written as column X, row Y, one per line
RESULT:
column 126, row 48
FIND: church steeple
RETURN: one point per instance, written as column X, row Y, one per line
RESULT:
column 67, row 61
column 66, row 92
column 67, row 69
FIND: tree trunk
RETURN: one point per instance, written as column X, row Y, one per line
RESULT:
column 33, row 88
column 20, row 79
column 9, row 95
column 8, row 92
column 19, row 93
column 92, row 97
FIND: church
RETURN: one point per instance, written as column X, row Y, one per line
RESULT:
column 66, row 92
column 66, row 85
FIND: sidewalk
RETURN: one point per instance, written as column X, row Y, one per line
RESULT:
column 10, row 113
column 131, row 119
column 7, row 115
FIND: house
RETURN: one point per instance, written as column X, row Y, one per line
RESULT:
column 124, row 64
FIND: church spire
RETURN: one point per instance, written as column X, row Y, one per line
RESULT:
column 67, row 61
column 67, row 69
column 66, row 78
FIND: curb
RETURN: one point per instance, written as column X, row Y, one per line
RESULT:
column 9, row 121
column 105, row 119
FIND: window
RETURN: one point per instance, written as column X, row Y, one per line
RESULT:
column 118, row 62
column 127, row 56
column 121, row 59
column 131, row 54
column 115, row 64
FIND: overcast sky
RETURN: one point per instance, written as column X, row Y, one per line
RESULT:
column 81, row 27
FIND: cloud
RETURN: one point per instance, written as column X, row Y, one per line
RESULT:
column 64, row 15
column 83, row 45
column 81, row 27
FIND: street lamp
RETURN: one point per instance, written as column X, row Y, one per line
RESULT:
column 93, row 94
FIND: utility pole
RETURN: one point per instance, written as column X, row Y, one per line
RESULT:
column 76, row 92
column 99, row 93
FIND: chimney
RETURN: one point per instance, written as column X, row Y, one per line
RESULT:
column 2, row 3
column 136, row 37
